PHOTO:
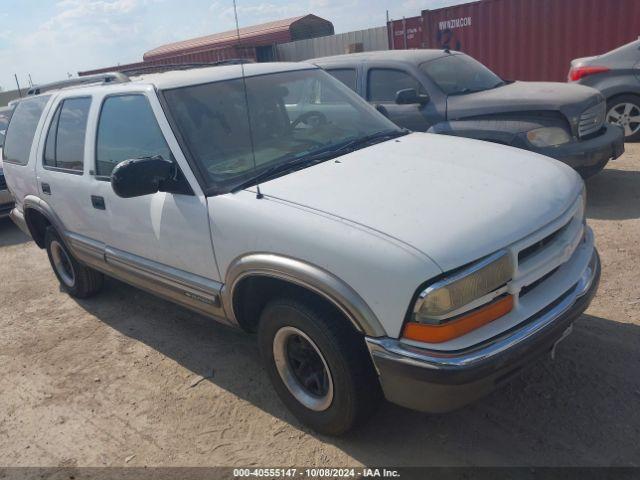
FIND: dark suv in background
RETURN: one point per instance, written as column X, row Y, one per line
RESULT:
column 450, row 93
column 616, row 74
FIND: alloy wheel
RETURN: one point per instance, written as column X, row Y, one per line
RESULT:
column 627, row 115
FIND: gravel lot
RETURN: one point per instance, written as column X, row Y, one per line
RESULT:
column 128, row 379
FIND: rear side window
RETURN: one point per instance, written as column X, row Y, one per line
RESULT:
column 22, row 128
column 64, row 147
column 346, row 76
column 383, row 84
column 127, row 129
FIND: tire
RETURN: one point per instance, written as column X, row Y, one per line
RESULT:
column 623, row 110
column 351, row 384
column 76, row 279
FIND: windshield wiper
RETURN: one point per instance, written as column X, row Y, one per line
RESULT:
column 319, row 156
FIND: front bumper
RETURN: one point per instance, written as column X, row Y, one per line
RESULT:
column 593, row 152
column 442, row 381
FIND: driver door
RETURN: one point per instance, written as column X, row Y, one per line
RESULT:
column 383, row 84
column 163, row 237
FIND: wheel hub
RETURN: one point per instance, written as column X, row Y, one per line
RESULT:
column 626, row 115
column 302, row 368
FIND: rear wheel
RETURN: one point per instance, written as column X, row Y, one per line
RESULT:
column 318, row 364
column 624, row 110
column 76, row 279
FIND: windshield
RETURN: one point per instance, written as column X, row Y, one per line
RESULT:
column 293, row 116
column 458, row 74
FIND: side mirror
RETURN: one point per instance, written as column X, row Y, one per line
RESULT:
column 141, row 176
column 409, row 96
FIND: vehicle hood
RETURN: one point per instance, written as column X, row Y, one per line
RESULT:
column 452, row 199
column 526, row 97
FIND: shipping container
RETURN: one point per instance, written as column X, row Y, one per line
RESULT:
column 406, row 33
column 529, row 39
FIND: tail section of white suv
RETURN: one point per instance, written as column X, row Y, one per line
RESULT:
column 370, row 261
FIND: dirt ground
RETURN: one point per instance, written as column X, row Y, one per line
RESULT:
column 126, row 379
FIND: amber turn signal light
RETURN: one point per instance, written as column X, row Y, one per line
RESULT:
column 422, row 332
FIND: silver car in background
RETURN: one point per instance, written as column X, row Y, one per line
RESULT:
column 617, row 75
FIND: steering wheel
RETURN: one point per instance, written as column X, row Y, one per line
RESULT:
column 312, row 118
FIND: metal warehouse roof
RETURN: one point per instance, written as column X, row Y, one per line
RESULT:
column 279, row 31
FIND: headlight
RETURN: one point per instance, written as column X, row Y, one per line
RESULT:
column 453, row 293
column 435, row 317
column 548, row 136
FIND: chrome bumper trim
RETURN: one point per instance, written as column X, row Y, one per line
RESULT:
column 394, row 349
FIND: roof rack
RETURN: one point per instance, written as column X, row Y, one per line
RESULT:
column 112, row 77
column 132, row 72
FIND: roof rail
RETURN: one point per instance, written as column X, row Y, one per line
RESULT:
column 111, row 77
column 131, row 72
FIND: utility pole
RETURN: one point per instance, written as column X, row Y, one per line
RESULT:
column 18, row 84
column 30, row 81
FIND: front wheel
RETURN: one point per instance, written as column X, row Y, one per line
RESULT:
column 76, row 279
column 318, row 364
column 624, row 110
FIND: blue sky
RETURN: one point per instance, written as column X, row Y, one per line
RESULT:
column 48, row 38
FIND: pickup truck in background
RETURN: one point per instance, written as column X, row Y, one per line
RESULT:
column 451, row 93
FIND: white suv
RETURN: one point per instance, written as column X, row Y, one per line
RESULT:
column 369, row 260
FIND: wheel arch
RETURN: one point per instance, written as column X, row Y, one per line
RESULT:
column 38, row 215
column 253, row 279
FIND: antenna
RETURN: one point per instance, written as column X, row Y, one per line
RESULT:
column 246, row 100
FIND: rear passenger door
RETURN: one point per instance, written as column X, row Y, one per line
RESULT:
column 61, row 176
column 164, row 235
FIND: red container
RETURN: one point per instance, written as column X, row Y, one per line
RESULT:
column 406, row 33
column 531, row 39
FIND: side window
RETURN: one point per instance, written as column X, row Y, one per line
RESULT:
column 22, row 129
column 383, row 84
column 64, row 147
column 127, row 129
column 346, row 76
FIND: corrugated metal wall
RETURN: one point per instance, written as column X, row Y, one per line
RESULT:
column 529, row 39
column 371, row 39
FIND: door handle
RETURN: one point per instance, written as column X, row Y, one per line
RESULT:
column 98, row 202
column 46, row 188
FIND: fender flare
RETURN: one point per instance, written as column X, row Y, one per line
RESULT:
column 306, row 275
column 31, row 202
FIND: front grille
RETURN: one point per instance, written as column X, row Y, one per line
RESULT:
column 591, row 120
column 539, row 245
column 527, row 288
column 3, row 183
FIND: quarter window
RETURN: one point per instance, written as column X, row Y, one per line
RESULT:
column 64, row 147
column 22, row 129
column 127, row 129
column 383, row 84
